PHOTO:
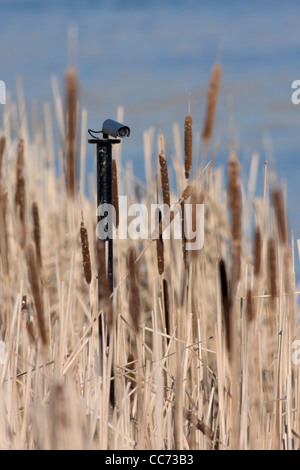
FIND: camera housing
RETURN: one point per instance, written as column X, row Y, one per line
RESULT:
column 115, row 129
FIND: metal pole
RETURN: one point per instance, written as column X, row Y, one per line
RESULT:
column 104, row 196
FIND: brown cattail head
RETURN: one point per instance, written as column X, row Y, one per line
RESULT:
column 115, row 190
column 212, row 100
column 280, row 213
column 186, row 193
column 33, row 277
column 103, row 284
column 2, row 148
column 166, row 305
column 188, row 144
column 225, row 301
column 160, row 249
column 37, row 234
column 164, row 178
column 134, row 303
column 235, row 206
column 19, row 168
column 272, row 259
column 234, row 196
column 20, row 196
column 183, row 237
column 249, row 306
column 257, row 251
column 3, row 232
column 86, row 260
column 71, row 136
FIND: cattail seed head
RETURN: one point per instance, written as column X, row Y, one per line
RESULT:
column 280, row 213
column 134, row 290
column 37, row 233
column 166, row 305
column 164, row 178
column 20, row 196
column 272, row 259
column 257, row 251
column 2, row 148
column 235, row 206
column 188, row 136
column 33, row 277
column 86, row 260
column 212, row 100
column 160, row 249
column 71, row 111
column 249, row 306
column 234, row 196
column 3, row 232
column 186, row 193
column 225, row 301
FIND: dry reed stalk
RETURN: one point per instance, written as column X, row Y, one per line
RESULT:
column 197, row 197
column 71, row 125
column 130, row 376
column 164, row 178
column 235, row 205
column 33, row 277
column 225, row 301
column 103, row 284
column 160, row 249
column 115, row 190
column 272, row 265
column 188, row 144
column 60, row 419
column 212, row 100
column 280, row 213
column 257, row 251
column 37, row 234
column 86, row 260
column 29, row 323
column 183, row 237
column 31, row 332
column 134, row 303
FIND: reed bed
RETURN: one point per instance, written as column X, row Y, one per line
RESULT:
column 201, row 345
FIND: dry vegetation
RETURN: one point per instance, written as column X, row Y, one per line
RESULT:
column 200, row 343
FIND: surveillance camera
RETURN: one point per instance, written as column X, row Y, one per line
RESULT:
column 115, row 129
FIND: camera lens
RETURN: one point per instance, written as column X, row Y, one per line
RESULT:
column 123, row 132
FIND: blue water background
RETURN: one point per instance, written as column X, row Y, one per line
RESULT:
column 147, row 56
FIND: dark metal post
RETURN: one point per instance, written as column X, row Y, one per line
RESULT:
column 104, row 196
column 104, row 193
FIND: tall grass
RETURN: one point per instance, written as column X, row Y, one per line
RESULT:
column 201, row 345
